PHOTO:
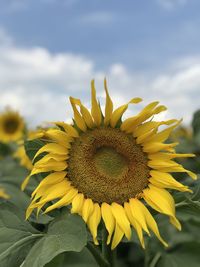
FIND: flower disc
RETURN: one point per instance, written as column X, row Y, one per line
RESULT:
column 107, row 165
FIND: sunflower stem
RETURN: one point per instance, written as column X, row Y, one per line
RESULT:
column 102, row 262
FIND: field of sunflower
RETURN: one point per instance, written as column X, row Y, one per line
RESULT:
column 103, row 191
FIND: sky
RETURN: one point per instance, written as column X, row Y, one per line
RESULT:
column 52, row 49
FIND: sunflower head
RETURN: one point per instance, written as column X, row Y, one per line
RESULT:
column 11, row 126
column 110, row 169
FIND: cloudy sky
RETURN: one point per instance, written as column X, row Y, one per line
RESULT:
column 51, row 49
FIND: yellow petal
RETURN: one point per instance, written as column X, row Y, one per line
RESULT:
column 150, row 221
column 142, row 138
column 108, row 219
column 159, row 164
column 94, row 221
column 121, row 219
column 29, row 211
column 129, row 124
column 178, row 168
column 118, row 113
column 118, row 235
column 165, row 180
column 109, row 106
column 168, row 156
column 164, row 134
column 85, row 114
column 52, row 178
column 134, row 223
column 64, row 201
column 77, row 204
column 52, row 148
column 49, row 158
column 54, row 191
column 138, row 214
column 69, row 129
column 148, row 126
column 87, row 117
column 95, row 111
column 155, row 147
column 77, row 116
column 88, row 207
column 161, row 200
column 51, row 165
column 60, row 137
column 25, row 182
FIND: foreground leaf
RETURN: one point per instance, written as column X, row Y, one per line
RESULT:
column 67, row 233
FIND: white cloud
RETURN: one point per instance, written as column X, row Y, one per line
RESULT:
column 38, row 83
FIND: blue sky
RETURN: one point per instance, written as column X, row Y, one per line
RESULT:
column 55, row 47
column 136, row 33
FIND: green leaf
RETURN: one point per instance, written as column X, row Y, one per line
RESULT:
column 74, row 259
column 66, row 233
column 32, row 147
column 17, row 197
column 17, row 236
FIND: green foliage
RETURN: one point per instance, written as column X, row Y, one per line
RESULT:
column 196, row 123
column 32, row 147
column 16, row 235
column 23, row 243
column 65, row 233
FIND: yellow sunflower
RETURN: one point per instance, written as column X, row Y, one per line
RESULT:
column 106, row 169
column 11, row 126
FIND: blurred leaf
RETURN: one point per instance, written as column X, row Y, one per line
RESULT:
column 65, row 233
column 11, row 172
column 5, row 150
column 17, row 197
column 196, row 122
column 185, row 255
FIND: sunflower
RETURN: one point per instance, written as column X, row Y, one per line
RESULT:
column 110, row 170
column 11, row 126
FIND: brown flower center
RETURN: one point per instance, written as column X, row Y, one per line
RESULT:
column 107, row 165
column 11, row 125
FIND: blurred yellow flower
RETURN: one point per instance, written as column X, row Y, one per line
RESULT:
column 23, row 158
column 11, row 126
column 106, row 167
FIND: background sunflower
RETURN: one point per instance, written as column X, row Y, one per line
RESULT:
column 11, row 126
